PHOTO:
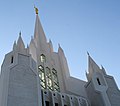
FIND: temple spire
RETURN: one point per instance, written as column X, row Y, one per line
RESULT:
column 39, row 35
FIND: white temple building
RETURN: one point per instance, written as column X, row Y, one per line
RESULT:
column 38, row 76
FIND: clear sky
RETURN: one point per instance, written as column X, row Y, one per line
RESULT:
column 78, row 25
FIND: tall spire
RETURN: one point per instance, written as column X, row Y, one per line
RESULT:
column 39, row 34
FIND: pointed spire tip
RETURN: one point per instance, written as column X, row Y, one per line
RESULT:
column 88, row 53
column 20, row 33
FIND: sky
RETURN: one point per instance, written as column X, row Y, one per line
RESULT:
column 77, row 25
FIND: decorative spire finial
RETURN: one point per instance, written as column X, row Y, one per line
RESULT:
column 20, row 33
column 36, row 9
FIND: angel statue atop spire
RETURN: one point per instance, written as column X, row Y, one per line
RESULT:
column 36, row 10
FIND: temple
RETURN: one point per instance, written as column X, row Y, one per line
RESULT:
column 36, row 75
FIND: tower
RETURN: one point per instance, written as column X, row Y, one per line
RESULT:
column 101, row 88
column 19, row 79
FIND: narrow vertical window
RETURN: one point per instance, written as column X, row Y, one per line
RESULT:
column 43, row 58
column 11, row 59
column 98, row 81
column 42, row 76
column 55, row 80
column 49, row 78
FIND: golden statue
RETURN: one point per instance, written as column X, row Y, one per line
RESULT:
column 36, row 10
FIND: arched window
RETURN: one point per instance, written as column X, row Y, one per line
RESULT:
column 42, row 58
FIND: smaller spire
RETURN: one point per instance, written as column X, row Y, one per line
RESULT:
column 14, row 45
column 20, row 43
column 36, row 9
column 50, row 45
column 103, row 69
column 60, row 48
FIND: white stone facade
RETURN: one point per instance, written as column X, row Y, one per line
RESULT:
column 38, row 76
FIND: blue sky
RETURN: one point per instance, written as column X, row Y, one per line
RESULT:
column 78, row 25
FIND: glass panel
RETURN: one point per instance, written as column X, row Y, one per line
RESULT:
column 54, row 71
column 56, row 87
column 41, row 68
column 42, row 76
column 55, row 79
column 48, row 72
column 41, row 73
column 43, row 85
column 49, row 78
column 49, row 82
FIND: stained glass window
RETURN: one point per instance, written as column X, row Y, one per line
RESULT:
column 42, row 76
